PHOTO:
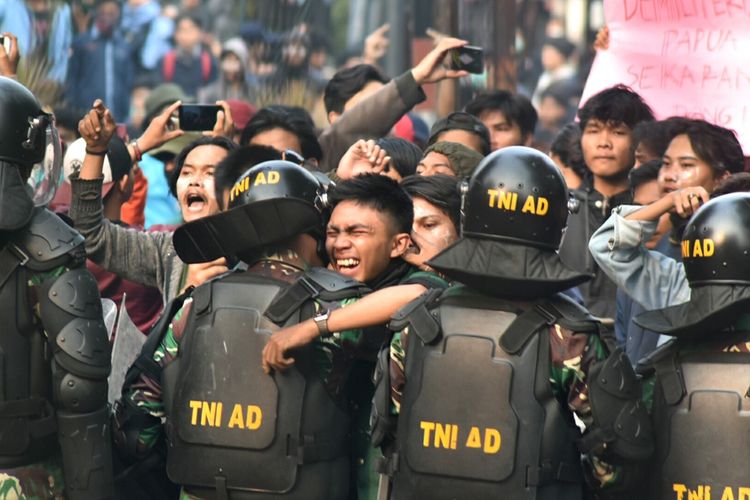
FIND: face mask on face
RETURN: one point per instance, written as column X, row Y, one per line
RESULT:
column 231, row 65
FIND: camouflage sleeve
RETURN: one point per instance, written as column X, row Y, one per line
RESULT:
column 334, row 354
column 144, row 394
column 571, row 358
column 37, row 481
column 397, row 368
column 647, row 392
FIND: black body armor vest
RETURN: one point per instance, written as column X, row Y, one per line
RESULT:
column 702, row 423
column 478, row 418
column 53, row 375
column 27, row 417
column 235, row 432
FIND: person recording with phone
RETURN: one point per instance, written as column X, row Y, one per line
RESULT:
column 366, row 107
column 149, row 257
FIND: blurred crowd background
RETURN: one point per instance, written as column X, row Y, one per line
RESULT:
column 284, row 51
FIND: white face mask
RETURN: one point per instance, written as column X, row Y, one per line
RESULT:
column 231, row 65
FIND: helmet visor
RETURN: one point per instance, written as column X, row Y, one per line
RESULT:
column 46, row 175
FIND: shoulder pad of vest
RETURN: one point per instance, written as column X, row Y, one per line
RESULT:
column 646, row 365
column 557, row 309
column 331, row 285
column 49, row 242
column 571, row 315
column 621, row 428
column 419, row 314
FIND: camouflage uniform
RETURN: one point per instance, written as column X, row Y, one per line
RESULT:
column 39, row 481
column 571, row 358
column 365, row 456
column 334, row 356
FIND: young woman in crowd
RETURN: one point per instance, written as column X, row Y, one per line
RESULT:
column 697, row 160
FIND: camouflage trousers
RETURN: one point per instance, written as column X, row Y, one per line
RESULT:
column 39, row 481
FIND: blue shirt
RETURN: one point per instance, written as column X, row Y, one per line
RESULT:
column 101, row 67
column 16, row 18
column 161, row 206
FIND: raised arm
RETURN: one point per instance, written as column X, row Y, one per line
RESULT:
column 134, row 255
column 376, row 115
column 650, row 278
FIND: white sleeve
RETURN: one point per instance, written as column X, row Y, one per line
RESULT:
column 650, row 278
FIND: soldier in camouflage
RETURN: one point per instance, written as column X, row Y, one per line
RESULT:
column 489, row 373
column 54, row 350
column 697, row 383
column 436, row 214
column 220, row 412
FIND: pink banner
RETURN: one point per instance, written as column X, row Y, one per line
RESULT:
column 685, row 57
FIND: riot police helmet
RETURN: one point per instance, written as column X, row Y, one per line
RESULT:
column 271, row 202
column 517, row 194
column 515, row 210
column 716, row 256
column 30, row 152
column 716, row 242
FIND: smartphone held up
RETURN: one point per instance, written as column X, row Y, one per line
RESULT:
column 467, row 58
column 197, row 117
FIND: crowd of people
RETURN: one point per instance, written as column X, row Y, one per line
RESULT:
column 370, row 309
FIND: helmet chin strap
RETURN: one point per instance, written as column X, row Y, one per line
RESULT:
column 16, row 205
column 464, row 190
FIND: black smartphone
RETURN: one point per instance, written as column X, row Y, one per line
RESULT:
column 467, row 58
column 196, row 117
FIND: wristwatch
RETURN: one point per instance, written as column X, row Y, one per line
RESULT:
column 321, row 320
